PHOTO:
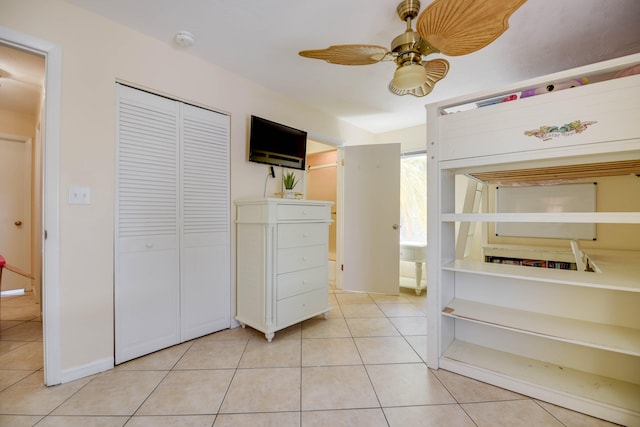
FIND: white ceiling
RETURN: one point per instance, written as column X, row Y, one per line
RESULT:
column 260, row 40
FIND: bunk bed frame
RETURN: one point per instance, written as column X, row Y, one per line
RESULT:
column 571, row 338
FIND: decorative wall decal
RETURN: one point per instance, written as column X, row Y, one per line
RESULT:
column 546, row 133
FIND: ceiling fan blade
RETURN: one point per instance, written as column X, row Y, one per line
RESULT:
column 459, row 27
column 436, row 70
column 350, row 54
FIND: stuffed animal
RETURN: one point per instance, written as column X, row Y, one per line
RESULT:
column 554, row 87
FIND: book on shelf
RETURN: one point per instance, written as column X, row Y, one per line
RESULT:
column 540, row 263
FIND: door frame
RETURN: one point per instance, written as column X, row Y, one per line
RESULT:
column 338, row 145
column 50, row 139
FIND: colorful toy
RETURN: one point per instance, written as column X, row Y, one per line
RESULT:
column 493, row 101
column 554, row 87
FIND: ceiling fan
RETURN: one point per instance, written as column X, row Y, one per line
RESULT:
column 451, row 27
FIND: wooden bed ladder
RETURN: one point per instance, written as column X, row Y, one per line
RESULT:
column 472, row 200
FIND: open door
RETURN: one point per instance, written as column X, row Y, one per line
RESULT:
column 369, row 259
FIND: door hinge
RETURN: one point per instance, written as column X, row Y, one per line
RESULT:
column 45, row 234
column 342, row 162
column 341, row 267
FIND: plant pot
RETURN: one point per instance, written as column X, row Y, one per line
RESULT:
column 289, row 194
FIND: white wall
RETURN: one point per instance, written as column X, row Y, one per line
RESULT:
column 411, row 139
column 95, row 54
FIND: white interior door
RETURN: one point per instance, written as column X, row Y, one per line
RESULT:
column 15, row 210
column 371, row 211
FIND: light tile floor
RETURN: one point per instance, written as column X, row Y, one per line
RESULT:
column 363, row 366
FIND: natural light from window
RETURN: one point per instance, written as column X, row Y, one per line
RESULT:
column 413, row 198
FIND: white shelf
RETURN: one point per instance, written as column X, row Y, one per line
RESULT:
column 590, row 334
column 564, row 217
column 619, row 273
column 619, row 396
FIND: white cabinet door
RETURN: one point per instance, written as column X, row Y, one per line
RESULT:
column 205, row 233
column 147, row 275
column 371, row 206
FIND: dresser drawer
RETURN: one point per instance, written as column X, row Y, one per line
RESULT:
column 301, row 307
column 299, row 282
column 291, row 235
column 303, row 212
column 294, row 259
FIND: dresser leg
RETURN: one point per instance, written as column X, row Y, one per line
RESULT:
column 325, row 315
column 269, row 336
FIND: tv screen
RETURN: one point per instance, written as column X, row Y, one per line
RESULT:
column 276, row 144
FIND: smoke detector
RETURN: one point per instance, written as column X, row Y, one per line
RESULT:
column 184, row 39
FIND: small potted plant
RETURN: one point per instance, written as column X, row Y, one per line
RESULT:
column 289, row 181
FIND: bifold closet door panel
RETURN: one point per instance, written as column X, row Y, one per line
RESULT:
column 204, row 288
column 146, row 230
column 205, row 228
column 147, row 302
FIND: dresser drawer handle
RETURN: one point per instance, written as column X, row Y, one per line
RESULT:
column 305, row 235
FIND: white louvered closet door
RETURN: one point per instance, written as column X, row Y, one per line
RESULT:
column 171, row 248
column 205, row 228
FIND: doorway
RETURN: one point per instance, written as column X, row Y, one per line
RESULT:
column 45, row 193
column 21, row 88
column 322, row 184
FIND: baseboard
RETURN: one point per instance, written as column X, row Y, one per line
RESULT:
column 92, row 368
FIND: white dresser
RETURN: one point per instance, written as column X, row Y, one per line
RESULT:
column 282, row 257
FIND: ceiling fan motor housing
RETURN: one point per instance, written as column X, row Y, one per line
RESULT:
column 409, row 46
column 408, row 9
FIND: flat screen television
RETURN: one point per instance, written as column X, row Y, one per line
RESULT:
column 276, row 144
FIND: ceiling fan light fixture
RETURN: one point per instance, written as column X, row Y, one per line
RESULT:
column 409, row 76
column 419, row 91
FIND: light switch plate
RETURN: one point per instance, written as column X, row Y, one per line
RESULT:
column 79, row 195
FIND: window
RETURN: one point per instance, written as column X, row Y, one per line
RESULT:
column 413, row 197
